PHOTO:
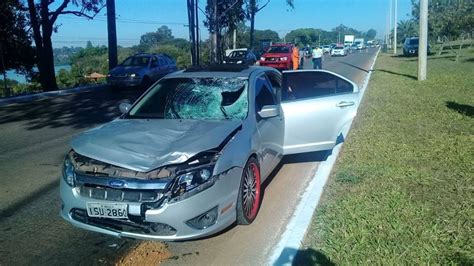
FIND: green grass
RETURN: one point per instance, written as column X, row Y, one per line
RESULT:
column 402, row 190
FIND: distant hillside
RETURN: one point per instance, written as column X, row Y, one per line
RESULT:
column 63, row 56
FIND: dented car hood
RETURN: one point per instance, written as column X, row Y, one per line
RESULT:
column 143, row 145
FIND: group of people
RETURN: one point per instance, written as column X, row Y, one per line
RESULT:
column 298, row 56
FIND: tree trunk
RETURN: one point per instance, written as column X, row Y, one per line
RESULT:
column 47, row 73
column 6, row 91
column 252, row 24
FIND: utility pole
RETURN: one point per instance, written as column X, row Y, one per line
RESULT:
column 390, row 23
column 112, row 33
column 423, row 40
column 198, row 39
column 395, row 30
column 192, row 32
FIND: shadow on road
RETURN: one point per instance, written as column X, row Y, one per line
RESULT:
column 80, row 110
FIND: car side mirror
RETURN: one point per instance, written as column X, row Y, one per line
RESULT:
column 124, row 107
column 269, row 111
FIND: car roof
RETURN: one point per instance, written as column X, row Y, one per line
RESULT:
column 219, row 71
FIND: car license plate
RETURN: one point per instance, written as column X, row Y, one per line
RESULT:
column 107, row 210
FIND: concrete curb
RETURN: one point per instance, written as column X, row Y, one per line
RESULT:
column 42, row 95
column 286, row 249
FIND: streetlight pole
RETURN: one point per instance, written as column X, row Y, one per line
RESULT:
column 395, row 30
column 423, row 40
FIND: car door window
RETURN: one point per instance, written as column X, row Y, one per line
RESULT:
column 275, row 81
column 154, row 62
column 162, row 62
column 310, row 84
column 265, row 95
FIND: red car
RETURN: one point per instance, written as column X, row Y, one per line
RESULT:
column 278, row 56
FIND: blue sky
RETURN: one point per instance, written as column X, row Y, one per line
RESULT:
column 135, row 17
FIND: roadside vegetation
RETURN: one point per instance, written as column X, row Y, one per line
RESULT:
column 402, row 189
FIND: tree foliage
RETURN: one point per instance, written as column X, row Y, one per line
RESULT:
column 150, row 39
column 447, row 18
column 43, row 19
column 221, row 15
column 406, row 28
column 15, row 42
column 252, row 7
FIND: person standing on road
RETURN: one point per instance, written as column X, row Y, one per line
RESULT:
column 301, row 54
column 295, row 58
column 317, row 55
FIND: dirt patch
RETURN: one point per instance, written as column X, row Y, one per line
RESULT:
column 146, row 253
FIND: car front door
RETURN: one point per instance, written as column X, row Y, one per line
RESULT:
column 316, row 105
column 270, row 129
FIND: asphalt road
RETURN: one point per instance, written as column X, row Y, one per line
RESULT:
column 33, row 141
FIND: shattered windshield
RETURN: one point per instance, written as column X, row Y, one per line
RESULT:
column 195, row 98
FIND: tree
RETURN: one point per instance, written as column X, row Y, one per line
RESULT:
column 406, row 28
column 252, row 8
column 15, row 43
column 370, row 35
column 43, row 20
column 447, row 18
column 221, row 14
column 150, row 39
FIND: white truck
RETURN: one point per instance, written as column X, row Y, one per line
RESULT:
column 348, row 40
column 360, row 42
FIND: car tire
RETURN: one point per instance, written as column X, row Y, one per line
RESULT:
column 248, row 200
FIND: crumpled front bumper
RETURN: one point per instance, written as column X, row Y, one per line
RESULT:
column 223, row 195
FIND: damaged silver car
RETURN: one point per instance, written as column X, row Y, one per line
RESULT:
column 188, row 158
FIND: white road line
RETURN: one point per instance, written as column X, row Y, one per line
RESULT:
column 286, row 249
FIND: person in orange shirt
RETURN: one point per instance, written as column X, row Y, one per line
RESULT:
column 295, row 58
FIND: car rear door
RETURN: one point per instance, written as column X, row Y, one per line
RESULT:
column 316, row 105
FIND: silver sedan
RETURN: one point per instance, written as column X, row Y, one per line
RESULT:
column 189, row 157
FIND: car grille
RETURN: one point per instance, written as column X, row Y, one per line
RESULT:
column 272, row 59
column 125, row 195
column 133, row 225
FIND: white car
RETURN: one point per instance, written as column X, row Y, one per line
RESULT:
column 326, row 48
column 338, row 50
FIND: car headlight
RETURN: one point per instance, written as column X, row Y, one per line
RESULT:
column 224, row 62
column 132, row 75
column 192, row 181
column 283, row 58
column 69, row 171
column 239, row 62
column 262, row 58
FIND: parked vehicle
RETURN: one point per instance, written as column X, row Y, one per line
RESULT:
column 410, row 46
column 189, row 157
column 141, row 70
column 339, row 51
column 278, row 56
column 240, row 57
